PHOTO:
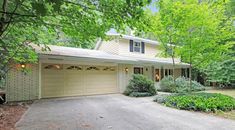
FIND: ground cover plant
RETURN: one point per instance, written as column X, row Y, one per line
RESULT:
column 206, row 102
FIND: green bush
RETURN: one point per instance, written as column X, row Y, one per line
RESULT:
column 181, row 85
column 199, row 102
column 167, row 84
column 140, row 86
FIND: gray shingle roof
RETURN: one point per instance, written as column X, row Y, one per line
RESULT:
column 96, row 54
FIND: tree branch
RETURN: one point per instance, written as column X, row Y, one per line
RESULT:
column 13, row 13
column 81, row 5
column 4, row 8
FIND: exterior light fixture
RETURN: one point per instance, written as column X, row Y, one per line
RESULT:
column 23, row 66
column 126, row 69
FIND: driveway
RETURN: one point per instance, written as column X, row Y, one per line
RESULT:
column 114, row 112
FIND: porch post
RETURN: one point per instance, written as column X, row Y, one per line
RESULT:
column 153, row 75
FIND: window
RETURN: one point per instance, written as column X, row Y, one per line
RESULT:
column 109, row 69
column 168, row 72
column 138, row 70
column 137, row 46
column 185, row 72
column 74, row 68
column 54, row 67
column 92, row 68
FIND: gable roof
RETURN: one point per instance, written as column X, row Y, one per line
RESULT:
column 129, row 37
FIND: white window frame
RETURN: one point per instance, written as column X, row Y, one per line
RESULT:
column 139, row 47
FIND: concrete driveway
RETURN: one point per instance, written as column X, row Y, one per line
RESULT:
column 114, row 112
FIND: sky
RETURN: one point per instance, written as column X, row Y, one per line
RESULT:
column 152, row 6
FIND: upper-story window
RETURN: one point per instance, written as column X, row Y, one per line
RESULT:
column 137, row 46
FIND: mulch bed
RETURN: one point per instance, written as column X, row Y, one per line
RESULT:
column 11, row 113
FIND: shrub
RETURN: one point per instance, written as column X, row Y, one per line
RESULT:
column 140, row 86
column 181, row 85
column 200, row 102
column 167, row 84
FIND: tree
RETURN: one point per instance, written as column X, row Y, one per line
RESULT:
column 192, row 28
column 201, row 44
column 164, row 26
column 47, row 21
column 222, row 72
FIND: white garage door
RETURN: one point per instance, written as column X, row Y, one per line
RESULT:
column 73, row 80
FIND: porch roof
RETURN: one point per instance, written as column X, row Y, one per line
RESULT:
column 97, row 55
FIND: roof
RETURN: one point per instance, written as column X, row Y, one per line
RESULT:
column 148, row 41
column 100, row 55
column 79, row 52
column 135, row 38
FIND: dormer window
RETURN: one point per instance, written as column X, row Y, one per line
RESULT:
column 137, row 46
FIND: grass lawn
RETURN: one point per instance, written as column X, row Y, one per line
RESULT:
column 229, row 115
column 230, row 92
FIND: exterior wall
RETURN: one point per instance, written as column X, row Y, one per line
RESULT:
column 22, row 86
column 123, row 76
column 177, row 73
column 148, row 72
column 151, row 51
column 121, row 46
column 110, row 46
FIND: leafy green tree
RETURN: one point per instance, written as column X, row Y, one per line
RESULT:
column 200, row 32
column 78, row 22
column 201, row 44
column 222, row 72
column 164, row 26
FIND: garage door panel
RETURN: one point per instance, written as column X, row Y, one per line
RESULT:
column 101, row 82
column 74, row 80
column 74, row 83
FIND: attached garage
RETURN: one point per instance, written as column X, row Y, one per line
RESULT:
column 60, row 80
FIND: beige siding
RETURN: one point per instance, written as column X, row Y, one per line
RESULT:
column 148, row 72
column 23, row 86
column 109, row 46
column 124, row 76
column 151, row 51
column 121, row 46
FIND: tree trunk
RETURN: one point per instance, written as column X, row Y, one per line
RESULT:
column 173, row 61
column 190, row 75
column 190, row 66
column 3, row 18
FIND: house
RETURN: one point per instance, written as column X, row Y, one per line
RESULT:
column 67, row 71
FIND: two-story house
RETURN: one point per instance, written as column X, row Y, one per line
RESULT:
column 67, row 71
